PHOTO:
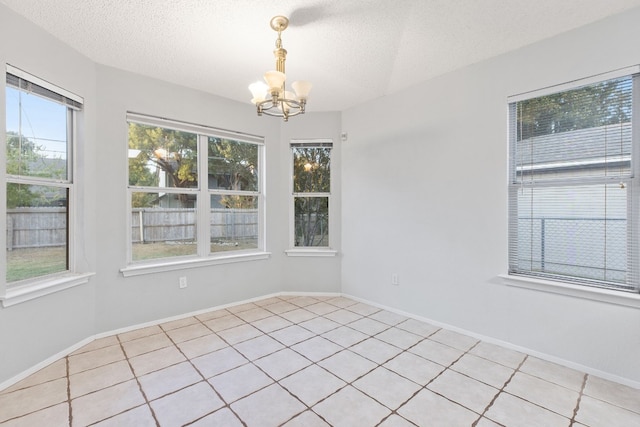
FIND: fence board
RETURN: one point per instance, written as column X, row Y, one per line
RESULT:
column 39, row 227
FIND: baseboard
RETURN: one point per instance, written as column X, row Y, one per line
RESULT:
column 587, row 369
column 63, row 353
column 549, row 358
column 182, row 316
column 32, row 370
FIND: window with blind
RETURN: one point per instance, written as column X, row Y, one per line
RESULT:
column 572, row 184
column 40, row 128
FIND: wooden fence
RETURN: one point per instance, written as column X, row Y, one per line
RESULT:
column 179, row 225
column 36, row 227
column 163, row 224
column 39, row 227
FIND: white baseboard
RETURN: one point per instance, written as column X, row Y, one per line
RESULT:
column 32, row 370
column 549, row 358
column 589, row 370
column 63, row 353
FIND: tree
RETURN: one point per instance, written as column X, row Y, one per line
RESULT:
column 166, row 158
column 596, row 105
column 234, row 165
column 27, row 159
column 311, row 174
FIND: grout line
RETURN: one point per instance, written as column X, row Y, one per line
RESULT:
column 577, row 408
column 205, row 380
column 135, row 376
column 67, row 369
column 515, row 371
column 357, row 308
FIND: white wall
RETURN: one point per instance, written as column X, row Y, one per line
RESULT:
column 314, row 274
column 425, row 197
column 35, row 330
column 31, row 332
column 126, row 301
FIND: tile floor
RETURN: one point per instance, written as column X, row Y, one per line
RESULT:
column 309, row 361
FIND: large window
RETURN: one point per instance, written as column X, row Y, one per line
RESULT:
column 39, row 183
column 311, row 192
column 194, row 191
column 573, row 190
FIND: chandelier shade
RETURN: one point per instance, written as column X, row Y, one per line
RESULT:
column 271, row 97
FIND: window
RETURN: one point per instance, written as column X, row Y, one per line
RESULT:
column 311, row 193
column 573, row 205
column 194, row 191
column 40, row 123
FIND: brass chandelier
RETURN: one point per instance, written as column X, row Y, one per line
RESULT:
column 272, row 98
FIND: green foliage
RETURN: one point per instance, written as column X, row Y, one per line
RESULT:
column 311, row 174
column 234, row 166
column 589, row 106
column 19, row 196
column 311, row 169
column 143, row 200
column 25, row 158
column 311, row 221
column 238, row 202
column 20, row 153
column 170, row 151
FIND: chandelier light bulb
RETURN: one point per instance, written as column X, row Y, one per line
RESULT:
column 302, row 89
column 259, row 92
column 275, row 80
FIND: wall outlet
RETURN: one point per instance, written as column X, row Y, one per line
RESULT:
column 183, row 282
column 394, row 279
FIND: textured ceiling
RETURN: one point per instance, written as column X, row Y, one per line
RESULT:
column 351, row 50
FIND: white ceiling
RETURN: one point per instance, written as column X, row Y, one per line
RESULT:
column 351, row 50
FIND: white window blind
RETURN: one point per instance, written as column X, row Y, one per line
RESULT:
column 22, row 80
column 572, row 189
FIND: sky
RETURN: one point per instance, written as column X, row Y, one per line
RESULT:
column 38, row 119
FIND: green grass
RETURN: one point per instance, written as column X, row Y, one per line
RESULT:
column 147, row 251
column 35, row 262
column 223, row 246
column 144, row 251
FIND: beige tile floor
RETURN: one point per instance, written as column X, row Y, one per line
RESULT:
column 309, row 361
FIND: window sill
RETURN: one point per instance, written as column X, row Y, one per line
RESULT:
column 32, row 290
column 312, row 252
column 627, row 299
column 140, row 269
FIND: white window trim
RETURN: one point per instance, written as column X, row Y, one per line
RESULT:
column 615, row 296
column 29, row 289
column 36, row 289
column 622, row 72
column 43, row 83
column 203, row 257
column 171, row 264
column 312, row 252
column 308, row 251
column 628, row 299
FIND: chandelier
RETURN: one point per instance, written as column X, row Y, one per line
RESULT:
column 272, row 98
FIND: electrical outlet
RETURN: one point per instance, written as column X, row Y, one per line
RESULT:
column 394, row 279
column 183, row 282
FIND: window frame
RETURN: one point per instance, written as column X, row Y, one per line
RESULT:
column 314, row 251
column 585, row 288
column 202, row 192
column 12, row 293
